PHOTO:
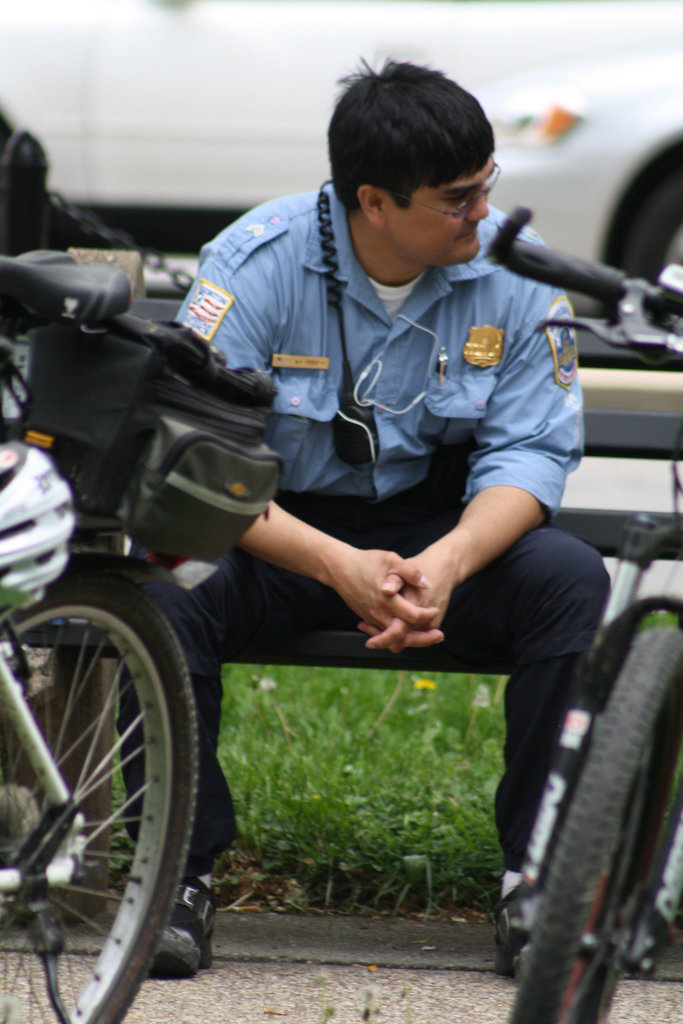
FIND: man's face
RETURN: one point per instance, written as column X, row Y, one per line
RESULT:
column 426, row 234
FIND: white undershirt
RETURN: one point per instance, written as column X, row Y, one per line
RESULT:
column 392, row 296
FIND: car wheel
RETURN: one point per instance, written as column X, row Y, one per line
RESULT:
column 655, row 235
column 5, row 133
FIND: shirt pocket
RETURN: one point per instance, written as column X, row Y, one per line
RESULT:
column 307, row 394
column 299, row 425
column 460, row 403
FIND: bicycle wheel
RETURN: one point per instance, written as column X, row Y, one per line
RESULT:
column 99, row 651
column 608, row 841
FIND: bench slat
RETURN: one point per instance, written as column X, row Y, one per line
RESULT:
column 595, row 353
column 337, row 648
column 603, row 528
column 631, row 433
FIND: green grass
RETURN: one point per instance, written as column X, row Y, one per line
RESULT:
column 361, row 789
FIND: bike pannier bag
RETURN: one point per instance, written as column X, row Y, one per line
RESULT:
column 180, row 461
column 204, row 476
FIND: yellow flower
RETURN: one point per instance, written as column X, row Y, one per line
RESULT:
column 424, row 684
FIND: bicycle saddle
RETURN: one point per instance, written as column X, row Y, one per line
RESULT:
column 54, row 286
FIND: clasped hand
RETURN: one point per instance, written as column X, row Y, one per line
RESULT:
column 399, row 606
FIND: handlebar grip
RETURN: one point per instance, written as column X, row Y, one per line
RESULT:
column 552, row 267
column 63, row 291
column 571, row 272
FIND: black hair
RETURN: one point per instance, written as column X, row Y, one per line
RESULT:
column 403, row 127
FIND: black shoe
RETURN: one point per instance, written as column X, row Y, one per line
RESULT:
column 511, row 946
column 185, row 946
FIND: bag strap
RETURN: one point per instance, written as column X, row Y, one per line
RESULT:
column 330, row 260
column 188, row 355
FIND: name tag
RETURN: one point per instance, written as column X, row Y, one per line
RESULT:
column 300, row 362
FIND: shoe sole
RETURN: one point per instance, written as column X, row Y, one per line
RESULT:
column 178, row 956
column 503, row 964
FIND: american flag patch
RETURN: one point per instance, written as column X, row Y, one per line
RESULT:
column 207, row 308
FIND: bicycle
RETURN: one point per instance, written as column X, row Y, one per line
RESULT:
column 94, row 821
column 603, row 873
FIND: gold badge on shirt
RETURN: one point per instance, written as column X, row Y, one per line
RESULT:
column 484, row 347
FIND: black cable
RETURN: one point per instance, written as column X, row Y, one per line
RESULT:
column 334, row 292
column 356, row 440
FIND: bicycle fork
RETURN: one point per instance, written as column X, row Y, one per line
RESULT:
column 623, row 613
column 595, row 679
column 653, row 919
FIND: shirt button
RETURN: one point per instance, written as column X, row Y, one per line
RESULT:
column 296, row 400
column 480, row 404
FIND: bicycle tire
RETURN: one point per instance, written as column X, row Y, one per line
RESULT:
column 92, row 644
column 606, row 844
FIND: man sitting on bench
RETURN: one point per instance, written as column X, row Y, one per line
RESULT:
column 427, row 422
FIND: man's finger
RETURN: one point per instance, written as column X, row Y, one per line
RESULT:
column 428, row 638
column 397, row 635
column 413, row 614
column 397, row 579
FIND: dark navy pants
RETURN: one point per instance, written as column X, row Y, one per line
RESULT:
column 537, row 604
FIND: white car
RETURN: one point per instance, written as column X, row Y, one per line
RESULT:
column 595, row 149
column 169, row 116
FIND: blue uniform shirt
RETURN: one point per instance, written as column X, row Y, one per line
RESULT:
column 466, row 357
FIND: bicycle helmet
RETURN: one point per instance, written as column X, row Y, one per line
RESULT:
column 36, row 522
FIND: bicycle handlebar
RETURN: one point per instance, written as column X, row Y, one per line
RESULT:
column 551, row 267
column 640, row 313
column 54, row 286
column 50, row 286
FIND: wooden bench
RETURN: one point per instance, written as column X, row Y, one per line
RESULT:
column 612, row 432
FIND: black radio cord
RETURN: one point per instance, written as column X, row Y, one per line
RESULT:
column 334, row 292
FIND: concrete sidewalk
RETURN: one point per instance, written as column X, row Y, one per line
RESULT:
column 387, row 971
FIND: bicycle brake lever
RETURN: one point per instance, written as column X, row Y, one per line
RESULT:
column 620, row 336
column 611, row 334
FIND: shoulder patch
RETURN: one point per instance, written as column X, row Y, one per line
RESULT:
column 206, row 308
column 563, row 343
